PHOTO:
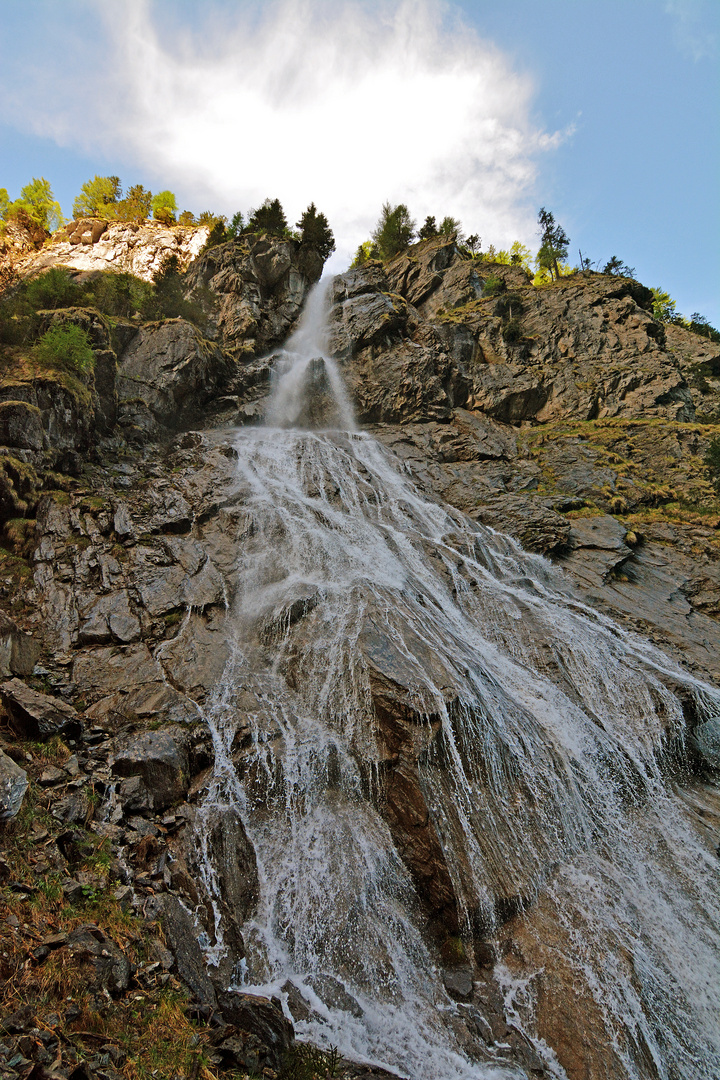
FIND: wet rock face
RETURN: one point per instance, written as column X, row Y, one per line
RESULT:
column 397, row 371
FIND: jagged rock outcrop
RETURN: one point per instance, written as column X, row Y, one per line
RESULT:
column 257, row 287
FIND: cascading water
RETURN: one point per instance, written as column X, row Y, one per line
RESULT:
column 543, row 736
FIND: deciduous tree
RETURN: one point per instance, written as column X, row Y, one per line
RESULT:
column 663, row 306
column 37, row 201
column 98, row 198
column 164, row 207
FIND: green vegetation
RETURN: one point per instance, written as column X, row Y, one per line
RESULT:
column 653, row 483
column 305, row 1062
column 168, row 300
column 66, row 347
column 365, row 252
column 553, row 243
column 618, row 268
column 316, row 232
column 164, row 207
column 700, row 325
column 493, row 285
column 24, row 319
column 664, row 310
column 663, row 306
column 449, row 226
column 268, row 218
column 36, row 206
column 394, row 231
column 98, row 197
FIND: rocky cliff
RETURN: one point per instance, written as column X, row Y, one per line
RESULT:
column 565, row 416
column 91, row 244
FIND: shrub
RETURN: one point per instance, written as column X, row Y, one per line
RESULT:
column 206, row 217
column 56, row 288
column 169, row 301
column 512, row 331
column 493, row 285
column 700, row 325
column 218, row 234
column 66, row 347
column 119, row 294
column 509, row 306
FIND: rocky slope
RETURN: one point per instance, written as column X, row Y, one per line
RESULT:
column 565, row 416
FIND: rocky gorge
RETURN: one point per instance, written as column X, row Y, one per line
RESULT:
column 356, row 736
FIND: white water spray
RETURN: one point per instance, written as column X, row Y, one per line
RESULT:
column 307, row 385
column 545, row 729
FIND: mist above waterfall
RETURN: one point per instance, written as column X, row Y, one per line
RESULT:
column 430, row 740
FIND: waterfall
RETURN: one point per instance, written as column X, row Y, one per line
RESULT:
column 543, row 737
column 307, row 387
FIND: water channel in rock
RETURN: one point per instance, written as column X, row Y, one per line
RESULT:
column 379, row 638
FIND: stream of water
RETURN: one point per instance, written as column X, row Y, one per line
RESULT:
column 549, row 737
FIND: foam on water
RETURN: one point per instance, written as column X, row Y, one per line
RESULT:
column 547, row 777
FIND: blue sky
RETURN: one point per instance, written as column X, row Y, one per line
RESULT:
column 605, row 111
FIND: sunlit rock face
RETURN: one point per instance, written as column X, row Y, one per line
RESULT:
column 132, row 247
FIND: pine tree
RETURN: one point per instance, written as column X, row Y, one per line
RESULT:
column 553, row 243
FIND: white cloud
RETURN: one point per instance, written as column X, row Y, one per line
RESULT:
column 347, row 104
column 692, row 33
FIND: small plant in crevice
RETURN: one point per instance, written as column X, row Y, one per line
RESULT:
column 493, row 285
column 509, row 306
column 512, row 331
column 305, row 1062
